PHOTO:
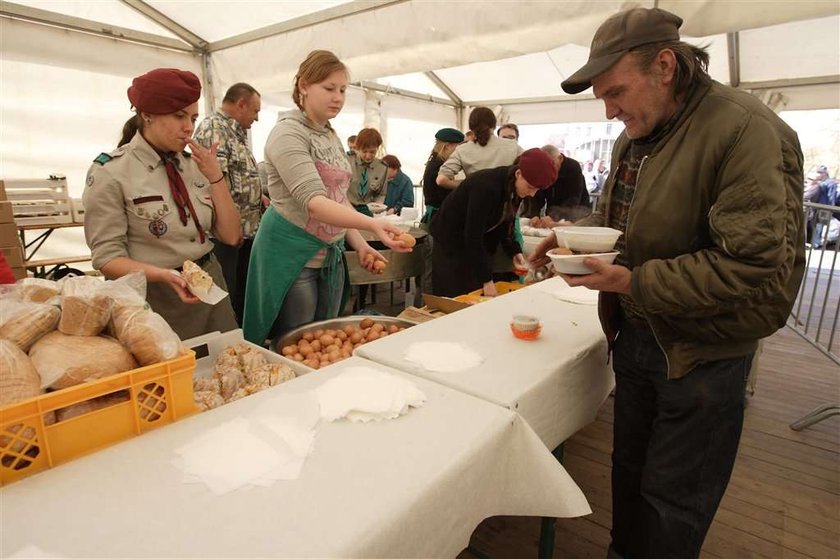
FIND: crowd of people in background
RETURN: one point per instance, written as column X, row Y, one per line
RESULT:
column 303, row 179
column 823, row 225
column 275, row 234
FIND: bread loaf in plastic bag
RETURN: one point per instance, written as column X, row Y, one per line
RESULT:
column 24, row 323
column 37, row 290
column 85, row 308
column 18, row 378
column 93, row 404
column 145, row 334
column 63, row 361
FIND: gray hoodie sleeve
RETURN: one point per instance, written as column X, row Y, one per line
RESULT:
column 288, row 150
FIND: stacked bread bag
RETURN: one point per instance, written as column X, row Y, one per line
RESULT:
column 78, row 330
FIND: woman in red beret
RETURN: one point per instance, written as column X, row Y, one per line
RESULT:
column 478, row 216
column 149, row 205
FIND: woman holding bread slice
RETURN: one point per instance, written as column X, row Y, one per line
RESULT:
column 478, row 216
column 151, row 206
column 297, row 273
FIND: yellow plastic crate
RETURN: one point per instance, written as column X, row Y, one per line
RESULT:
column 159, row 395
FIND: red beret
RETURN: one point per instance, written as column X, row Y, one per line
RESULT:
column 537, row 168
column 164, row 90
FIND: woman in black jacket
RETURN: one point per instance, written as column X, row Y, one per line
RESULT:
column 477, row 217
column 446, row 140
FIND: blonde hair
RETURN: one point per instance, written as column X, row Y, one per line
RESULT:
column 437, row 151
column 317, row 66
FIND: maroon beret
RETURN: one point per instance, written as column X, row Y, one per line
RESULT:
column 537, row 168
column 164, row 91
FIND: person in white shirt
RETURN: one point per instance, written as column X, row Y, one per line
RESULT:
column 485, row 152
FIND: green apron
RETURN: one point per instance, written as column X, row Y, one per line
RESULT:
column 517, row 234
column 280, row 251
column 427, row 215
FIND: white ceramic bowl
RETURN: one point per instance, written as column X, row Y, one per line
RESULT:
column 587, row 239
column 572, row 264
column 377, row 207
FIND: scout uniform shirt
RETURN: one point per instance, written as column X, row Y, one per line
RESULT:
column 130, row 212
column 376, row 174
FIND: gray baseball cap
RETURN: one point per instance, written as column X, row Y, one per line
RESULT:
column 617, row 36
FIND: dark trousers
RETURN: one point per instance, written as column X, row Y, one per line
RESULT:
column 234, row 262
column 675, row 443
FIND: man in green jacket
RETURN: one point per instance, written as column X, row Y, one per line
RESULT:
column 706, row 184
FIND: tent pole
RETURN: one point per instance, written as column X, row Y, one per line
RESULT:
column 209, row 85
column 733, row 48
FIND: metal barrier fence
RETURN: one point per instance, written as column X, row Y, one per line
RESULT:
column 817, row 309
column 816, row 312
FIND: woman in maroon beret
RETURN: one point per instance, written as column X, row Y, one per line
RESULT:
column 149, row 205
column 478, row 216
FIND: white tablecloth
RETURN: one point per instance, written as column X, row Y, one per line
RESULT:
column 556, row 383
column 416, row 486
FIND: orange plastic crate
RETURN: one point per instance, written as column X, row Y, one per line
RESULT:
column 477, row 296
column 159, row 395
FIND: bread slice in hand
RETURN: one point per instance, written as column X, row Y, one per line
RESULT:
column 197, row 279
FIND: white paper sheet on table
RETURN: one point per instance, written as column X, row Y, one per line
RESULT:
column 268, row 444
column 443, row 357
column 365, row 394
column 579, row 295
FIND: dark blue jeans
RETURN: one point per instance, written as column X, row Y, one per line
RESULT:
column 674, row 447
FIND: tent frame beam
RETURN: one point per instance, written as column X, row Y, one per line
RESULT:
column 44, row 17
column 774, row 84
column 444, row 87
column 373, row 86
column 167, row 23
column 797, row 82
column 531, row 100
column 336, row 12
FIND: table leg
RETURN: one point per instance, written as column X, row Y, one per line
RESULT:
column 548, row 526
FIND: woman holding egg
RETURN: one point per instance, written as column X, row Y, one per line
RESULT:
column 298, row 273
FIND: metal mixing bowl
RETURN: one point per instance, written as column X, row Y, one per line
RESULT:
column 336, row 324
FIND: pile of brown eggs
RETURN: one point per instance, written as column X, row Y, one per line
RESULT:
column 321, row 347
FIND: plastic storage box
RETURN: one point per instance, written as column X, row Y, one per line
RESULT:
column 208, row 347
column 30, row 441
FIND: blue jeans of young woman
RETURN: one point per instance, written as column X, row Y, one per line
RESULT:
column 310, row 298
column 674, row 447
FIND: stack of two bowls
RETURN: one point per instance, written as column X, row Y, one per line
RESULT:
column 575, row 244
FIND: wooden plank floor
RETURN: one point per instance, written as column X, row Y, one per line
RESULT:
column 784, row 497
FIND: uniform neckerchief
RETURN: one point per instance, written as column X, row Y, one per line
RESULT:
column 180, row 194
column 363, row 181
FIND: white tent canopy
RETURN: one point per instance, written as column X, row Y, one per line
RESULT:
column 65, row 65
